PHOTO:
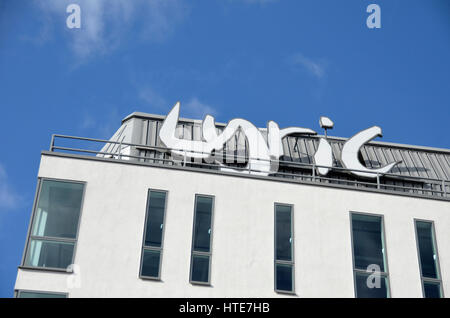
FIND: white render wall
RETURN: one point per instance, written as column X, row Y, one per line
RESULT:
column 112, row 223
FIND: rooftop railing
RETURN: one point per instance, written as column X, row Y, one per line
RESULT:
column 388, row 182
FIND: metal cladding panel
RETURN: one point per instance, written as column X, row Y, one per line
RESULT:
column 408, row 162
column 179, row 131
column 292, row 150
column 428, row 166
column 144, row 129
column 365, row 157
column 437, row 167
column 380, row 156
column 197, row 132
column 152, row 133
column 311, row 149
column 242, row 144
column 415, row 162
column 419, row 165
column 286, row 155
column 336, row 151
column 123, row 134
column 187, row 131
column 303, row 151
column 444, row 164
column 375, row 162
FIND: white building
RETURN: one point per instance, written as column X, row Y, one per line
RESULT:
column 138, row 220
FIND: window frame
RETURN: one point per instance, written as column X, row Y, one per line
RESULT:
column 383, row 275
column 50, row 238
column 153, row 248
column 423, row 279
column 199, row 253
column 18, row 291
column 283, row 262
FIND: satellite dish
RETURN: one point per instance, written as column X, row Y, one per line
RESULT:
column 326, row 123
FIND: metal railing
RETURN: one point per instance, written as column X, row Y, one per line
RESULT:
column 386, row 182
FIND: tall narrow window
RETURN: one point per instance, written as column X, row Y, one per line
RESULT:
column 369, row 256
column 153, row 235
column 284, row 251
column 201, row 240
column 428, row 260
column 54, row 228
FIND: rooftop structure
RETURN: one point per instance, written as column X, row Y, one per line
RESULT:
column 172, row 207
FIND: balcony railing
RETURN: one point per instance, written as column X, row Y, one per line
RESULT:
column 301, row 172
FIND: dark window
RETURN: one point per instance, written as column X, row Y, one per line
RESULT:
column 49, row 254
column 284, row 260
column 55, row 224
column 432, row 290
column 367, row 241
column 153, row 238
column 35, row 294
column 284, row 273
column 201, row 239
column 364, row 290
column 428, row 258
column 200, row 268
column 369, row 256
column 284, row 234
column 202, row 226
column 58, row 209
column 155, row 219
column 150, row 263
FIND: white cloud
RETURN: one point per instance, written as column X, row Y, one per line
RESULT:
column 315, row 67
column 196, row 109
column 149, row 96
column 102, row 127
column 8, row 197
column 104, row 23
column 192, row 108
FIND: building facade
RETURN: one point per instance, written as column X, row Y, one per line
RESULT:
column 141, row 219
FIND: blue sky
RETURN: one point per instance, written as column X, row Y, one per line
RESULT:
column 285, row 60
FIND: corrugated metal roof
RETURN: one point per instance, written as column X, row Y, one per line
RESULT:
column 416, row 161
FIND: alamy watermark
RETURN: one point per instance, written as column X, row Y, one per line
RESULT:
column 374, row 19
column 374, row 279
column 73, row 21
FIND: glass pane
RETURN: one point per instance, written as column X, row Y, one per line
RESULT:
column 200, row 268
column 49, row 254
column 368, row 247
column 432, row 290
column 155, row 219
column 427, row 251
column 23, row 294
column 58, row 209
column 202, row 227
column 150, row 263
column 283, row 232
column 369, row 287
column 284, row 277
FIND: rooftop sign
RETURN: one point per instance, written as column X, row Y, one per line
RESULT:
column 264, row 155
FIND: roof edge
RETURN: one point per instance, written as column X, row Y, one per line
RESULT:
column 380, row 143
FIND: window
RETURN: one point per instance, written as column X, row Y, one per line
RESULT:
column 38, row 294
column 369, row 256
column 428, row 260
column 153, row 235
column 284, row 251
column 201, row 240
column 54, row 225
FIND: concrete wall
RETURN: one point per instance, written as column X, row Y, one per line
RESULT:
column 112, row 223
